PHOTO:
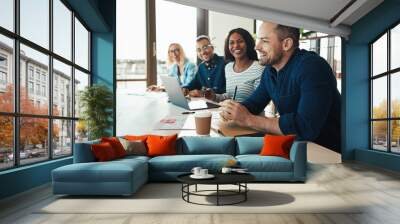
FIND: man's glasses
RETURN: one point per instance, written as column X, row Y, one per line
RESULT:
column 203, row 48
column 174, row 50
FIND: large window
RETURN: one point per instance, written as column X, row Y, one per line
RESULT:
column 219, row 30
column 169, row 33
column 327, row 46
column 131, row 45
column 385, row 95
column 38, row 124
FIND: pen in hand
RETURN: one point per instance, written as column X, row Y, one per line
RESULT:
column 234, row 93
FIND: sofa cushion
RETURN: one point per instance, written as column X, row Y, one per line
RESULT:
column 134, row 147
column 257, row 163
column 116, row 145
column 161, row 145
column 133, row 158
column 206, row 145
column 112, row 171
column 185, row 163
column 277, row 145
column 103, row 152
column 136, row 137
column 249, row 145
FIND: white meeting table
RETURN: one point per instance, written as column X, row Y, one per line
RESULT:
column 140, row 113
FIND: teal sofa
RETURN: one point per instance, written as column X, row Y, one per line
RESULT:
column 125, row 176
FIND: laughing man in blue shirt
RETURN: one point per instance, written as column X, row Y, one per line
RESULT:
column 300, row 83
column 211, row 71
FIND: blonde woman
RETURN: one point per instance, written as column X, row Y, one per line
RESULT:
column 178, row 66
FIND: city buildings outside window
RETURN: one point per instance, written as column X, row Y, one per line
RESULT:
column 385, row 96
column 30, row 87
column 34, row 79
column 3, row 78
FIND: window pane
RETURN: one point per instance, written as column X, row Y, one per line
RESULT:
column 62, row 29
column 131, row 43
column 81, row 45
column 395, row 136
column 379, row 55
column 7, row 14
column 395, row 47
column 62, row 138
column 81, row 81
column 6, row 142
column 81, row 131
column 62, row 89
column 6, row 74
column 305, row 44
column 218, row 29
column 34, row 72
column 33, row 139
column 379, row 98
column 379, row 135
column 167, row 34
column 395, row 95
column 35, row 21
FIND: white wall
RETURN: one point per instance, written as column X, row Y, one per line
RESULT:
column 220, row 24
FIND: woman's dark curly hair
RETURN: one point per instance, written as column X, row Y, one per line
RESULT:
column 248, row 39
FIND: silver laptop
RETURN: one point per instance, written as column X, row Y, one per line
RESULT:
column 177, row 98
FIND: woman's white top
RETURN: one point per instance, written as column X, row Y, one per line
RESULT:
column 246, row 81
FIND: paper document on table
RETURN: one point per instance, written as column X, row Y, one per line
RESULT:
column 176, row 123
column 197, row 104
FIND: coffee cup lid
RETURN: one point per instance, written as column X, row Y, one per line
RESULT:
column 204, row 113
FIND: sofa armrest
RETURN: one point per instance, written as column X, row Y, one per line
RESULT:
column 298, row 155
column 83, row 152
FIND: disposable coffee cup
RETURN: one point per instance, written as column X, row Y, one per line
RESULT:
column 203, row 122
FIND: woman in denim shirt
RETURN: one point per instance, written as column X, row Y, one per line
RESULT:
column 178, row 66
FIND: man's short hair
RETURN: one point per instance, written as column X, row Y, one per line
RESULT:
column 203, row 37
column 284, row 32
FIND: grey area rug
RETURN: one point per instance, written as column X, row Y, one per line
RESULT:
column 166, row 198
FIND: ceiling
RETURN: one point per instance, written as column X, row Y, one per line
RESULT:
column 327, row 16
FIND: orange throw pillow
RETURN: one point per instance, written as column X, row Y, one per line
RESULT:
column 277, row 145
column 116, row 145
column 161, row 145
column 136, row 137
column 103, row 151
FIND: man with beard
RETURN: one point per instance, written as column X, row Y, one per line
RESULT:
column 301, row 85
column 211, row 71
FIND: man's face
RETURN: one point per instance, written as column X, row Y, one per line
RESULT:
column 269, row 46
column 205, row 50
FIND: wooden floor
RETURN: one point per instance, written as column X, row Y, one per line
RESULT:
column 377, row 188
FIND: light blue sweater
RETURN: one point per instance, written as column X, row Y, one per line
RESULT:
column 189, row 71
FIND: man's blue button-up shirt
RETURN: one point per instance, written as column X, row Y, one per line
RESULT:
column 210, row 76
column 305, row 94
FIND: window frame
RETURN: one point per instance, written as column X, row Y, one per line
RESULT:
column 15, row 71
column 388, row 74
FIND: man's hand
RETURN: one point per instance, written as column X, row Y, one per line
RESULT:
column 209, row 94
column 154, row 88
column 236, row 112
column 196, row 93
